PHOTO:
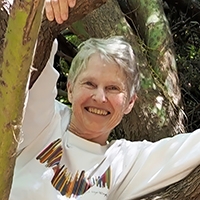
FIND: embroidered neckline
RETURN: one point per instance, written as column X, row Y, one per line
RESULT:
column 68, row 184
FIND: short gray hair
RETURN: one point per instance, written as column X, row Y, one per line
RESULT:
column 111, row 49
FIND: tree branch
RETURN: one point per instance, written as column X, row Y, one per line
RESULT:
column 50, row 30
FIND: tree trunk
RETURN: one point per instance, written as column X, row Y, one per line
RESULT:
column 166, row 109
column 5, row 7
column 15, row 65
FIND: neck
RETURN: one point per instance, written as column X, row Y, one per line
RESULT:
column 97, row 138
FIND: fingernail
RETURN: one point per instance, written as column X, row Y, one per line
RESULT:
column 59, row 21
column 72, row 3
column 64, row 16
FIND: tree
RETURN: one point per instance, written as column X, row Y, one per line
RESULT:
column 159, row 108
column 24, row 19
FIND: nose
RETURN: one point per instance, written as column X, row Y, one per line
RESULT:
column 99, row 95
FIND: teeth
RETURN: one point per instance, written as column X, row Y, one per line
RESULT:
column 97, row 111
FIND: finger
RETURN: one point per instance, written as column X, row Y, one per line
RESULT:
column 64, row 9
column 56, row 10
column 49, row 10
column 71, row 3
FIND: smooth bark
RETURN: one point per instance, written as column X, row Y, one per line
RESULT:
column 25, row 19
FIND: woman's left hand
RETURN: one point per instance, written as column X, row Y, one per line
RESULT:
column 58, row 9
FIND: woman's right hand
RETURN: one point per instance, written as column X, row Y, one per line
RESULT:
column 58, row 9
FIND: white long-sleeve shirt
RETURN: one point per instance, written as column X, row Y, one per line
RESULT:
column 132, row 169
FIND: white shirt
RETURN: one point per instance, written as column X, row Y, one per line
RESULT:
column 136, row 168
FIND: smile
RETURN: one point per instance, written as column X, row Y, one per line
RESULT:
column 97, row 111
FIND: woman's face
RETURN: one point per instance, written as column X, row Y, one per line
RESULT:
column 99, row 100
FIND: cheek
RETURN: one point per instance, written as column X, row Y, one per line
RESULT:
column 119, row 102
column 80, row 96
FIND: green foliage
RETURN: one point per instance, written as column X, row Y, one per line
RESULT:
column 74, row 39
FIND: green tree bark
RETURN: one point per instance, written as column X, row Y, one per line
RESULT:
column 15, row 64
column 165, row 111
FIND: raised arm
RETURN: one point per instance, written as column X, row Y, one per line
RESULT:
column 40, row 106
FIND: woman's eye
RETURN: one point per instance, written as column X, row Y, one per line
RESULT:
column 113, row 87
column 88, row 83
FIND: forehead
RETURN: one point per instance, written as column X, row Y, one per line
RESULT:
column 99, row 65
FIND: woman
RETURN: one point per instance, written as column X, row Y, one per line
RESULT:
column 72, row 142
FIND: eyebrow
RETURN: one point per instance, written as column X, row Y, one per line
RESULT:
column 87, row 78
column 110, row 82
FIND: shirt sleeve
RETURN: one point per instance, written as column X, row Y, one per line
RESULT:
column 40, row 106
column 160, row 164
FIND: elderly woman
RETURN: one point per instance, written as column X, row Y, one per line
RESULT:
column 72, row 142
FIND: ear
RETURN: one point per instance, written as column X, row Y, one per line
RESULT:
column 130, row 104
column 69, row 92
